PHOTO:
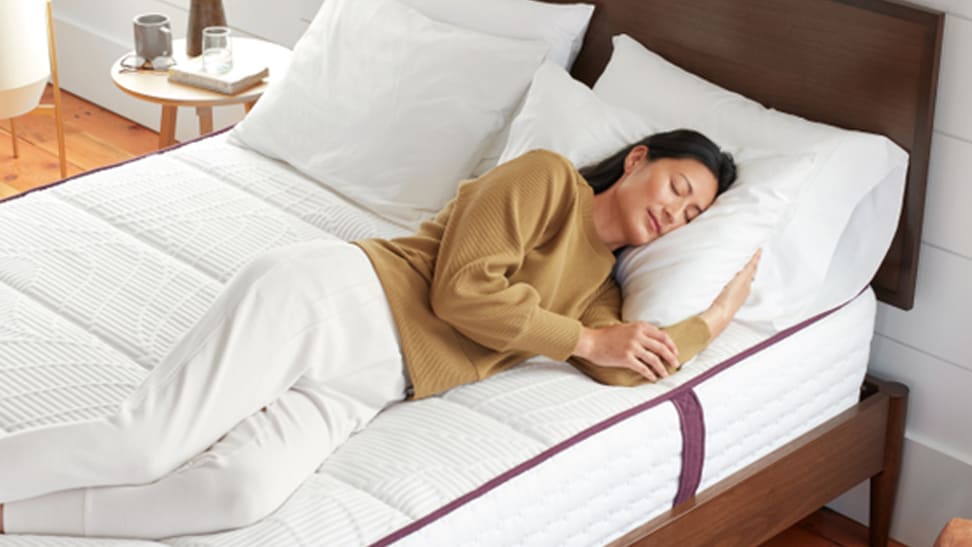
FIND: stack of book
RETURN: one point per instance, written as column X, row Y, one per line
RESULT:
column 239, row 78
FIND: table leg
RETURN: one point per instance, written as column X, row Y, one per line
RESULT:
column 13, row 138
column 205, row 114
column 168, row 125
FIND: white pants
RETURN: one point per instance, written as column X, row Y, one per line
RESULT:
column 304, row 330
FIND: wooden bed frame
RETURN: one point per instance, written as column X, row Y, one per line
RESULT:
column 861, row 64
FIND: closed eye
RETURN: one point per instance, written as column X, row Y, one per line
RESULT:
column 688, row 218
column 671, row 182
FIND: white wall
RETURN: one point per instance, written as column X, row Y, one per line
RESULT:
column 926, row 348
column 930, row 347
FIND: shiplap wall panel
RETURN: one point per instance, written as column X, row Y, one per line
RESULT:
column 962, row 8
column 112, row 20
column 180, row 4
column 948, row 223
column 954, row 109
column 939, row 322
column 283, row 24
column 938, row 409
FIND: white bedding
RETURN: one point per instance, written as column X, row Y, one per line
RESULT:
column 100, row 276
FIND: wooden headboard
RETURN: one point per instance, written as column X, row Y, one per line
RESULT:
column 861, row 64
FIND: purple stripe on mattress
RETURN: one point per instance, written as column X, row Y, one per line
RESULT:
column 601, row 426
column 692, row 422
column 113, row 165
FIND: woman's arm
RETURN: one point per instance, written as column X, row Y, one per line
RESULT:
column 629, row 354
column 732, row 297
column 495, row 221
column 641, row 352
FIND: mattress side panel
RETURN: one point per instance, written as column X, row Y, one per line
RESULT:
column 793, row 387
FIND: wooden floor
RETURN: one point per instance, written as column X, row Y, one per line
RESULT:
column 95, row 137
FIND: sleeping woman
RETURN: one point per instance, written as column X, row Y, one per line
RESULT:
column 307, row 343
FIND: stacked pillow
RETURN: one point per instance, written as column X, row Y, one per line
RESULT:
column 844, row 219
column 680, row 274
column 391, row 107
column 560, row 26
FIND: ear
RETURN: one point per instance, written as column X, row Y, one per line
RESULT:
column 635, row 156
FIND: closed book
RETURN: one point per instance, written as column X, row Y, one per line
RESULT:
column 240, row 77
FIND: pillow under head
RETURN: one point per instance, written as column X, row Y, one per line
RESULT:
column 851, row 167
column 679, row 274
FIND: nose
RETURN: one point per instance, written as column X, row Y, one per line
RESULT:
column 668, row 217
column 671, row 215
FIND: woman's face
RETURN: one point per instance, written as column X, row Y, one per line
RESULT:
column 656, row 197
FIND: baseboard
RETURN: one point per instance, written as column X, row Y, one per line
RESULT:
column 934, row 488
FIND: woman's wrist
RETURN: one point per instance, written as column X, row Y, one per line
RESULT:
column 584, row 343
column 715, row 318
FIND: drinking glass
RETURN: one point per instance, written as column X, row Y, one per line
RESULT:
column 217, row 50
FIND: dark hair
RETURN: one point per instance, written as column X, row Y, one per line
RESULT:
column 681, row 143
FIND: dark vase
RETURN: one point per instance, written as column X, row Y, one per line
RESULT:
column 202, row 14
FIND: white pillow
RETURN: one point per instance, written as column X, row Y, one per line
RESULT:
column 564, row 115
column 389, row 107
column 560, row 26
column 849, row 166
column 681, row 273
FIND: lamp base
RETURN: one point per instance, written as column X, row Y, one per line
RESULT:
column 21, row 100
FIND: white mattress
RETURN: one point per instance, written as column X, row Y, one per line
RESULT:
column 99, row 276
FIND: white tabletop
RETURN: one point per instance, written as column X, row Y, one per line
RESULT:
column 154, row 86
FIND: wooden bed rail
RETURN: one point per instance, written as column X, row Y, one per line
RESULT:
column 772, row 494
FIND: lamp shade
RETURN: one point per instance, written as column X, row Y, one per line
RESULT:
column 24, row 61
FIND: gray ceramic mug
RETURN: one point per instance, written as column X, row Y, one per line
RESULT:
column 153, row 40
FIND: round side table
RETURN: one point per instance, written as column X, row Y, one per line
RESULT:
column 154, row 86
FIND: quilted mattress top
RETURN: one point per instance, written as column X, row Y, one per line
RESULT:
column 101, row 275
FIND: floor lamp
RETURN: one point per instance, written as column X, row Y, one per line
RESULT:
column 27, row 58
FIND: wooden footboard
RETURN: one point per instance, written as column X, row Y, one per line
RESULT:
column 773, row 493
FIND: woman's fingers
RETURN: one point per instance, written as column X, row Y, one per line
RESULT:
column 637, row 346
column 653, row 361
column 652, row 332
column 641, row 368
column 745, row 276
column 750, row 267
column 662, row 351
column 736, row 291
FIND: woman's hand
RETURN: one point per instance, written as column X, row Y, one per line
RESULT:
column 732, row 297
column 639, row 346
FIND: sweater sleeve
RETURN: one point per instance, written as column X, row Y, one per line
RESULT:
column 691, row 336
column 605, row 309
column 495, row 221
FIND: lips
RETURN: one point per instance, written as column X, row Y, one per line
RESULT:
column 654, row 223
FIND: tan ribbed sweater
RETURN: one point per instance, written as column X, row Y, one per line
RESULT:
column 512, row 267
